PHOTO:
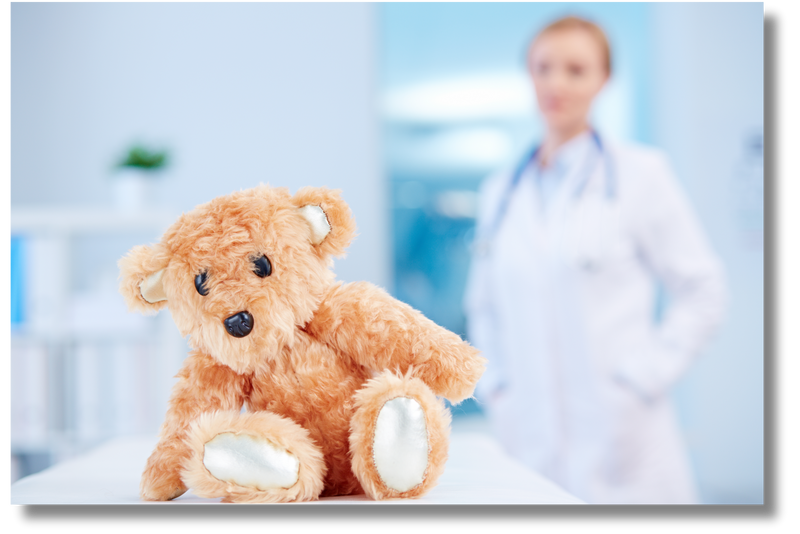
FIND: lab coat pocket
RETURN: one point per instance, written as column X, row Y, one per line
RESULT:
column 628, row 389
column 652, row 372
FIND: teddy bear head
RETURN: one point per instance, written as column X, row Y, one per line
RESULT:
column 241, row 273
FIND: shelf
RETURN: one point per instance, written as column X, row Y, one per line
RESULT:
column 72, row 221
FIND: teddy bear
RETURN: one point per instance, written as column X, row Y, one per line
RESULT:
column 297, row 386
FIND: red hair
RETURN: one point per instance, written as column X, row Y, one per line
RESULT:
column 576, row 23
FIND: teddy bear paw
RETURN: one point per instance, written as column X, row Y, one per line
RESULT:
column 400, row 446
column 250, row 461
column 398, row 437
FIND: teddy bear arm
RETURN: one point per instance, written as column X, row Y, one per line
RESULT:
column 203, row 386
column 380, row 332
column 453, row 367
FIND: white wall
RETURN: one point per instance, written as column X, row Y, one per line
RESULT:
column 708, row 98
column 241, row 94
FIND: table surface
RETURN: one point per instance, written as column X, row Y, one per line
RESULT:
column 477, row 472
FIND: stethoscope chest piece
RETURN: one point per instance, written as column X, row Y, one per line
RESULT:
column 590, row 227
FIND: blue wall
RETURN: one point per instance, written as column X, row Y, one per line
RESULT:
column 688, row 79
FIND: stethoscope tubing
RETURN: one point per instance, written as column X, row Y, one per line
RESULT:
column 505, row 200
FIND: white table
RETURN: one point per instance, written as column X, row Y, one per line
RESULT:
column 477, row 472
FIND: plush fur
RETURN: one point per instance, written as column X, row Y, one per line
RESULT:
column 368, row 402
column 304, row 371
column 280, row 431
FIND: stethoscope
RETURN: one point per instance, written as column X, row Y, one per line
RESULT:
column 587, row 250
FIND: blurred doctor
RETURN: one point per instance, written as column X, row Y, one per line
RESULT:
column 562, row 293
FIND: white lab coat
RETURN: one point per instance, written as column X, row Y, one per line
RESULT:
column 579, row 370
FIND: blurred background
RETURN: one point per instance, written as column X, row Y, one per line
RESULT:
column 123, row 116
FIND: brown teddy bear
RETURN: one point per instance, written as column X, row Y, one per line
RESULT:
column 339, row 380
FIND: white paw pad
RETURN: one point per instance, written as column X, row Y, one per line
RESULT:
column 250, row 461
column 400, row 445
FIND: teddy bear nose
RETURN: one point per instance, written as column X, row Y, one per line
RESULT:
column 240, row 324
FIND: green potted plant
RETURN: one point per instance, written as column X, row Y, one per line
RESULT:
column 134, row 175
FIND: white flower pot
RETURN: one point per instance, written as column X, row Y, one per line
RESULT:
column 133, row 190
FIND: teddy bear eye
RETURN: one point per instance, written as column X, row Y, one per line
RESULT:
column 262, row 267
column 200, row 283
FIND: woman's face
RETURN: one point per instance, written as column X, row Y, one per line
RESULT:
column 567, row 68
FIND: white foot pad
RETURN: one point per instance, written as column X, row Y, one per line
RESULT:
column 400, row 445
column 250, row 461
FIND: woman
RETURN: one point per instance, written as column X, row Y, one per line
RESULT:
column 562, row 293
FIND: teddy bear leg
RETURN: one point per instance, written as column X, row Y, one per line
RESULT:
column 256, row 457
column 398, row 437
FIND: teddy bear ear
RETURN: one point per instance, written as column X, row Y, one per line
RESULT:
column 331, row 225
column 142, row 278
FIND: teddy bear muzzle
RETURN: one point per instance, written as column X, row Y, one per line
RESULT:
column 239, row 324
